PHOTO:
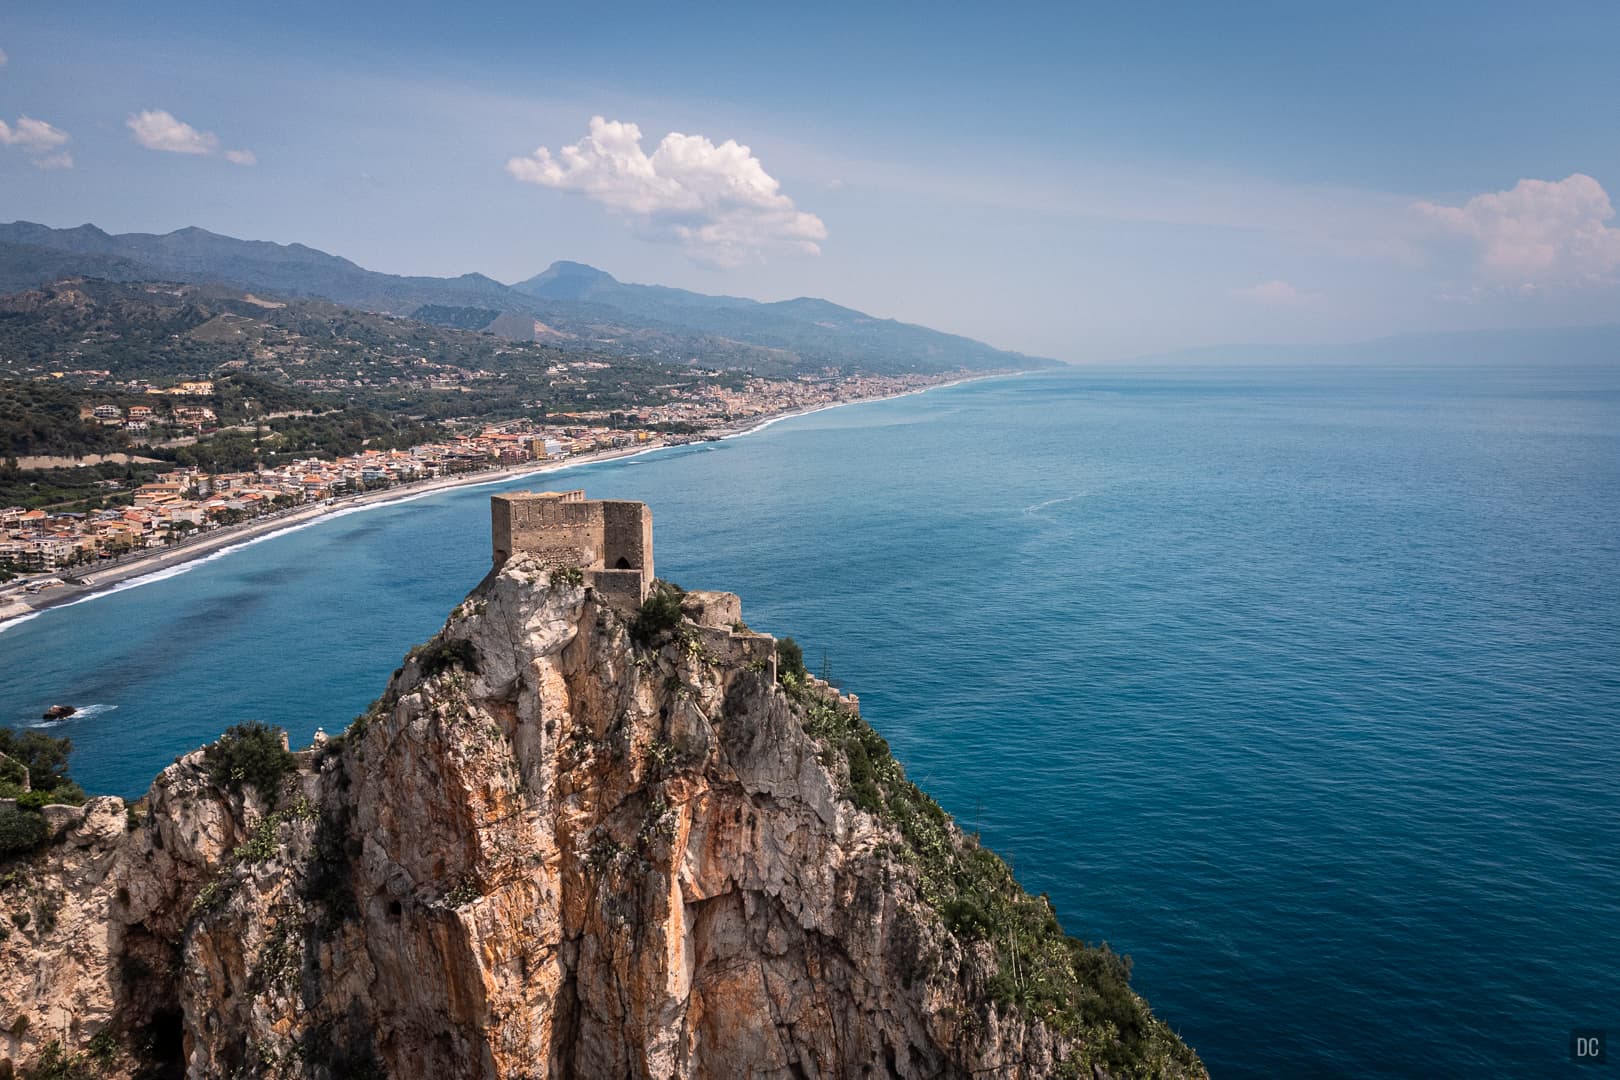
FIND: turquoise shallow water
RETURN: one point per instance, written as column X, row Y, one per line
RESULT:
column 1300, row 686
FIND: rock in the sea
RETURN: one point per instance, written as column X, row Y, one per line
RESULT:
column 554, row 850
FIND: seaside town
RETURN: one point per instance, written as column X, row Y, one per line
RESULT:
column 42, row 548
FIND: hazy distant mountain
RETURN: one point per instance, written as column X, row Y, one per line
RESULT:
column 569, row 302
column 197, row 255
column 576, row 281
column 805, row 325
column 24, row 266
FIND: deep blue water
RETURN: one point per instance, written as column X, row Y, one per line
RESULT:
column 1300, row 686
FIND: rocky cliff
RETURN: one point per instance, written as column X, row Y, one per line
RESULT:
column 566, row 842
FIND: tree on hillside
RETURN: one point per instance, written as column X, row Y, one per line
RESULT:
column 45, row 758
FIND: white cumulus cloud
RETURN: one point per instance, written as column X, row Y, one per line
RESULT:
column 31, row 134
column 158, row 129
column 40, row 141
column 1540, row 233
column 716, row 201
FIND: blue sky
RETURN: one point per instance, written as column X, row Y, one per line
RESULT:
column 1080, row 181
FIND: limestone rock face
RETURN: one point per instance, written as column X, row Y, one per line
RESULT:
column 546, row 852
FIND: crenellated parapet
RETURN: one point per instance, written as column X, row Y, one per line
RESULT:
column 608, row 540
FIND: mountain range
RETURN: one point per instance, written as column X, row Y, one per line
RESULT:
column 568, row 302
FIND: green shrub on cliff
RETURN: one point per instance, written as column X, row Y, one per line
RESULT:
column 442, row 654
column 64, row 794
column 253, row 754
column 789, row 659
column 660, row 613
column 20, row 831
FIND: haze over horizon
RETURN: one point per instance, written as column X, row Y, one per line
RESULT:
column 1082, row 185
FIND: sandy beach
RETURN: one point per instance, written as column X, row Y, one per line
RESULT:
column 85, row 582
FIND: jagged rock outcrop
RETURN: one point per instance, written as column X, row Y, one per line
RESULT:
column 550, row 851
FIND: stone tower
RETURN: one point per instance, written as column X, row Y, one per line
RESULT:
column 609, row 540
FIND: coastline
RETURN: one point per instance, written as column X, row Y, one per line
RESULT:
column 17, row 607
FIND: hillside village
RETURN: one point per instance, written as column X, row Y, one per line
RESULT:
column 185, row 501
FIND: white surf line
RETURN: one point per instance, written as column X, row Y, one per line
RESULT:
column 762, row 425
column 18, row 620
column 164, row 573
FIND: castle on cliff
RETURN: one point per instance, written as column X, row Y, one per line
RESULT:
column 609, row 540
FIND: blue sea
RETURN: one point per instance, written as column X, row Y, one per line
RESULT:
column 1300, row 685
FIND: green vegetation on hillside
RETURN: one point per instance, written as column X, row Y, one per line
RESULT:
column 21, row 831
column 56, row 1063
column 34, row 771
column 305, row 355
column 286, row 439
column 789, row 661
column 165, row 331
column 43, row 418
column 261, row 423
column 659, row 614
column 88, row 487
column 251, row 754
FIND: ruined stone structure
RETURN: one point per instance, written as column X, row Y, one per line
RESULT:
column 717, row 623
column 608, row 540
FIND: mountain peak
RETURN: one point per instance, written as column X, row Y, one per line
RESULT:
column 564, row 268
column 564, row 280
column 32, row 232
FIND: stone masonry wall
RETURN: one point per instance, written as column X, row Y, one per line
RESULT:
column 610, row 540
